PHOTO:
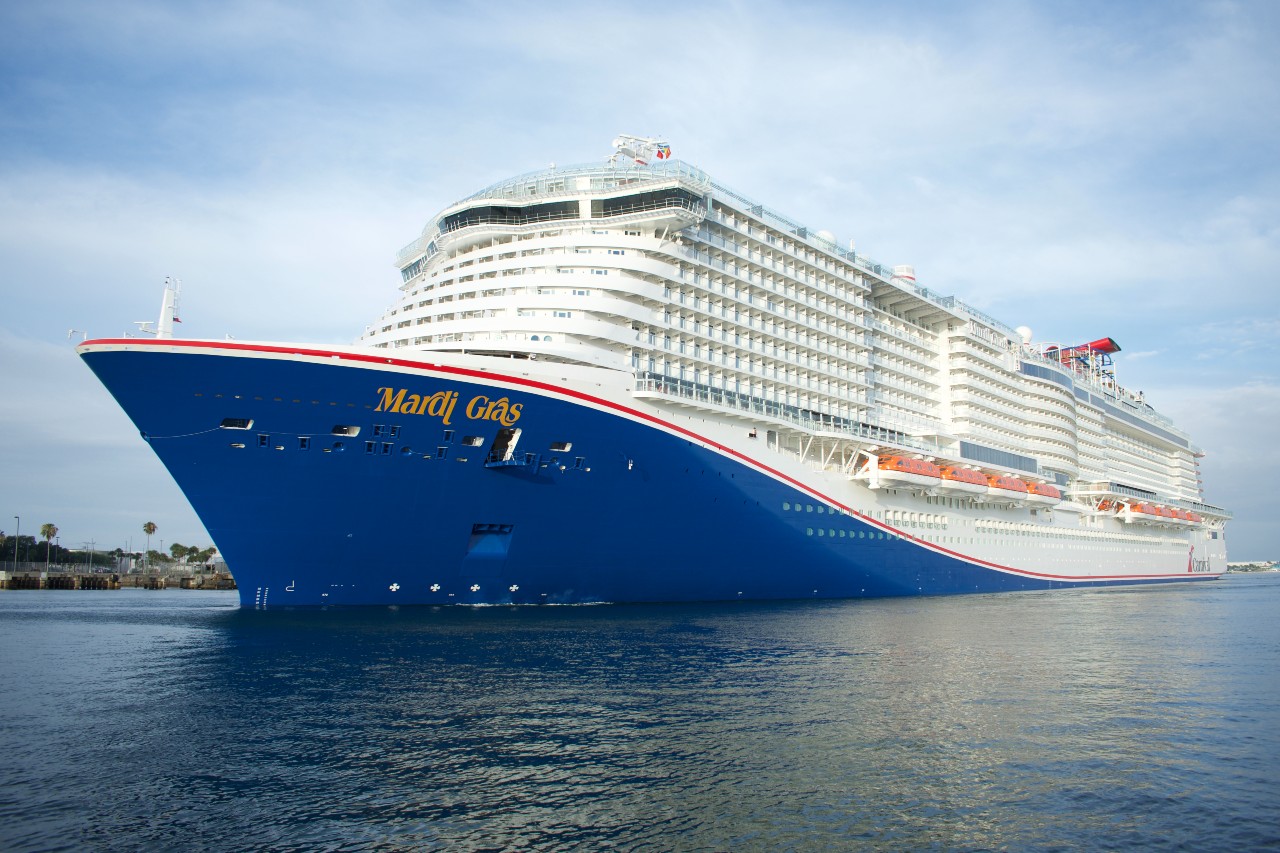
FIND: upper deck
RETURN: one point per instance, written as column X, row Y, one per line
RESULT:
column 711, row 300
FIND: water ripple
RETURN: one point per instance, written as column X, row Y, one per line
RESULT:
column 1094, row 720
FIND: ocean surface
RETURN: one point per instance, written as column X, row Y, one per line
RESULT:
column 1141, row 718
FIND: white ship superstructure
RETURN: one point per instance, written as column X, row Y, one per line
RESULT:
column 709, row 305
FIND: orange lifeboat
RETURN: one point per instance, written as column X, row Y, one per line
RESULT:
column 1003, row 488
column 1107, row 506
column 962, row 481
column 1142, row 513
column 1043, row 493
column 901, row 472
column 908, row 465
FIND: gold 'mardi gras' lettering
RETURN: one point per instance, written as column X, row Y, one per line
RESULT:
column 441, row 405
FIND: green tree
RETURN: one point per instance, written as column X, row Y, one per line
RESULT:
column 177, row 550
column 48, row 531
column 149, row 528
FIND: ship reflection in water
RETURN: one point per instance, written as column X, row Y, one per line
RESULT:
column 1090, row 719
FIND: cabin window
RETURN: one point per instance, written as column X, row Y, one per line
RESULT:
column 236, row 423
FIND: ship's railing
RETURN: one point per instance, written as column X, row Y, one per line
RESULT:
column 805, row 419
column 1103, row 489
column 506, row 219
column 602, row 178
column 695, row 207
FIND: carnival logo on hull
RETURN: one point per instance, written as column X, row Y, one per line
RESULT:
column 442, row 403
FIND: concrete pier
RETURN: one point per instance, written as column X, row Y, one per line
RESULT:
column 104, row 580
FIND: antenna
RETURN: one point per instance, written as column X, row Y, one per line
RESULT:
column 640, row 149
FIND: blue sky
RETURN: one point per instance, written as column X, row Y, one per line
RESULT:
column 1085, row 169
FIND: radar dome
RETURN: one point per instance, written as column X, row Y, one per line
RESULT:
column 1025, row 333
column 827, row 235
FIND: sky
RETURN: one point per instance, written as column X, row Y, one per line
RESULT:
column 1083, row 168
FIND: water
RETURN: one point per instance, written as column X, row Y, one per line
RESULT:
column 1146, row 717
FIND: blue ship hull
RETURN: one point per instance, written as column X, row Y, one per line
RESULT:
column 407, row 511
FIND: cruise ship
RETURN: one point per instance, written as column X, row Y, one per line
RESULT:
column 625, row 382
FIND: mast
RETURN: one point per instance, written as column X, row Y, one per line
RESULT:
column 168, row 311
column 168, row 308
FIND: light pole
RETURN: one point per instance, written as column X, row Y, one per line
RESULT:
column 57, row 546
column 17, row 528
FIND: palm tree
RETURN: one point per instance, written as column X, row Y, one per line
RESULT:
column 48, row 531
column 149, row 528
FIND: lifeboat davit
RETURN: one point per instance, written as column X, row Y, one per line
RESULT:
column 1001, row 488
column 1043, row 493
column 902, row 472
column 962, row 481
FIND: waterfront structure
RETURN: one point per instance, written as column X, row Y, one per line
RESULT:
column 626, row 382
